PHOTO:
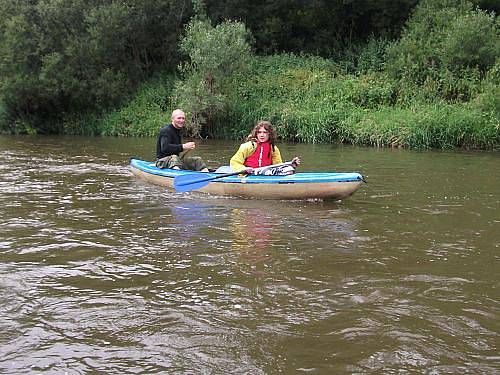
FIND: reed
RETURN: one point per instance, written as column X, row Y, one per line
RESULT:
column 441, row 126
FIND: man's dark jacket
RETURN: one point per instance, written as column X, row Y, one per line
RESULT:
column 169, row 142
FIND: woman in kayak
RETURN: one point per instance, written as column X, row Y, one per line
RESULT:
column 260, row 151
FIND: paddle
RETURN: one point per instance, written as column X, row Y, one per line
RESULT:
column 193, row 181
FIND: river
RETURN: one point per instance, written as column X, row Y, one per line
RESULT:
column 101, row 273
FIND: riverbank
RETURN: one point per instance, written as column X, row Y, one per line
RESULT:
column 433, row 84
column 312, row 100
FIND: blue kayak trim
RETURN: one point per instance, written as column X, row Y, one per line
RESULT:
column 303, row 177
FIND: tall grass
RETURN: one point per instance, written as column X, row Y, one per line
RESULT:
column 433, row 126
column 314, row 100
column 141, row 116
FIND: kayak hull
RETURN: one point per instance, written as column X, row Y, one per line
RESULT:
column 333, row 186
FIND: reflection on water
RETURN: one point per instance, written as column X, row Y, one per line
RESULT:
column 100, row 273
column 253, row 231
column 252, row 228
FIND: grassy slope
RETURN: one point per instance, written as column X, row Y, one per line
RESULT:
column 312, row 100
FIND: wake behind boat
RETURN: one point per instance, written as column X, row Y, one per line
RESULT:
column 308, row 185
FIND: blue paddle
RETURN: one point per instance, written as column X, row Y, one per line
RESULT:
column 188, row 182
column 193, row 181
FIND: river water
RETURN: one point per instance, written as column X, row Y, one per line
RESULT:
column 101, row 273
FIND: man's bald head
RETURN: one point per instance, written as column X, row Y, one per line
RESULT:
column 178, row 118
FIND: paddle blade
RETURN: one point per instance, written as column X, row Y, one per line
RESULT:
column 190, row 182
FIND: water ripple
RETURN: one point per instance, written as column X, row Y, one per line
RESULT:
column 101, row 273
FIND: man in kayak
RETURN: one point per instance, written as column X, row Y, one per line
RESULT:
column 169, row 146
column 260, row 151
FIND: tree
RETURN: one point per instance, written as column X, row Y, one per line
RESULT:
column 63, row 56
column 215, row 53
column 447, row 47
column 320, row 27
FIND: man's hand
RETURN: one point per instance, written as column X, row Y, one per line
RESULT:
column 188, row 146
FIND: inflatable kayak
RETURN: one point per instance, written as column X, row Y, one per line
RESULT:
column 308, row 185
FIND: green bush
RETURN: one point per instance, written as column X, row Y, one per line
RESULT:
column 308, row 100
column 418, row 98
column 445, row 50
column 144, row 114
column 215, row 53
column 488, row 98
column 61, row 57
column 305, row 96
column 141, row 116
column 364, row 58
column 277, row 88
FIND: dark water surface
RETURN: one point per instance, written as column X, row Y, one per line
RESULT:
column 101, row 273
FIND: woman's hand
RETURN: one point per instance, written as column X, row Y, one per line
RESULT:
column 296, row 161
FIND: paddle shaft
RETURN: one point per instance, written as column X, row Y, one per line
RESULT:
column 240, row 172
column 210, row 178
column 196, row 181
column 260, row 169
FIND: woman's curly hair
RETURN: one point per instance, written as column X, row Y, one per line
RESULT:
column 266, row 125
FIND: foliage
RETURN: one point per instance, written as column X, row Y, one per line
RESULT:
column 445, row 51
column 69, row 56
column 310, row 99
column 215, row 53
column 304, row 96
column 367, row 57
column 141, row 116
column 68, row 66
column 428, row 126
column 320, row 27
column 488, row 99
